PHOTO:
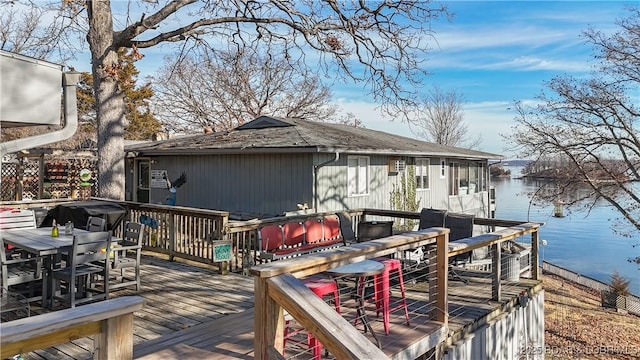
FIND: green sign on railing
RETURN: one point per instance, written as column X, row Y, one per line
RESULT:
column 222, row 251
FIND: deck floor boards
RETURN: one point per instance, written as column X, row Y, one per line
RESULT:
column 195, row 306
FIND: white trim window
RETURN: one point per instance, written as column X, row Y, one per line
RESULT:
column 422, row 174
column 358, row 175
column 443, row 168
column 466, row 178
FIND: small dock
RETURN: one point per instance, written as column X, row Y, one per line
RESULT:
column 193, row 312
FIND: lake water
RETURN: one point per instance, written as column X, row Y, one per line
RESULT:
column 584, row 243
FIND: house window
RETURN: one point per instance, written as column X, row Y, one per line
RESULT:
column 443, row 168
column 482, row 182
column 422, row 173
column 474, row 178
column 466, row 178
column 358, row 175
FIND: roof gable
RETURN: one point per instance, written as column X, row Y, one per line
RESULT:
column 264, row 122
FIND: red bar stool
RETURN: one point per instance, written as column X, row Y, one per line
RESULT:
column 382, row 291
column 322, row 288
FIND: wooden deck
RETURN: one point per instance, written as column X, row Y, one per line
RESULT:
column 192, row 312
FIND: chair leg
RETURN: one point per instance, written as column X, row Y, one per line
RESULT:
column 383, row 292
column 404, row 298
column 138, row 277
column 72, row 292
column 454, row 275
column 316, row 346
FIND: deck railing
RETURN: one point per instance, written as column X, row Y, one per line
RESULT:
column 110, row 321
column 191, row 233
column 278, row 288
column 183, row 232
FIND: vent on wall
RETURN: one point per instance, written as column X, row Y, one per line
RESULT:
column 397, row 165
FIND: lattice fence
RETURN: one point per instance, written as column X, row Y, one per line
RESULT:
column 8, row 184
column 21, row 178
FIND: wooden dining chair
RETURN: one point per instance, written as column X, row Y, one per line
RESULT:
column 14, row 306
column 20, row 274
column 17, row 219
column 127, row 257
column 88, row 256
column 96, row 224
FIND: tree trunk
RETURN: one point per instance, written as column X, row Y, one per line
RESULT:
column 109, row 101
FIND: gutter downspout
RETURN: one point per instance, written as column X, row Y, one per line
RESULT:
column 315, row 178
column 69, row 81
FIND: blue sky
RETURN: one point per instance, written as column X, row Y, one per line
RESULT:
column 492, row 52
column 497, row 52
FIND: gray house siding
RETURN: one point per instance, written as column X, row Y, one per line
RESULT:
column 333, row 187
column 271, row 184
column 254, row 183
column 333, row 184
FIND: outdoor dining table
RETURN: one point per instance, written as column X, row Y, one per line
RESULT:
column 361, row 271
column 40, row 243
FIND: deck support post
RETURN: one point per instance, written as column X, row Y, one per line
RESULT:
column 496, row 287
column 442, row 274
column 115, row 340
column 268, row 322
column 432, row 278
column 535, row 266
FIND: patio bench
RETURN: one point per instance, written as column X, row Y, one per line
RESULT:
column 295, row 238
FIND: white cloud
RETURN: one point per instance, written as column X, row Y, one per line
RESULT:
column 532, row 63
column 467, row 38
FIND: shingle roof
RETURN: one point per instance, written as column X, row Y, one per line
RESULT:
column 270, row 134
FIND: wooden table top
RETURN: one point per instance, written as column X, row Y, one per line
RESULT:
column 39, row 241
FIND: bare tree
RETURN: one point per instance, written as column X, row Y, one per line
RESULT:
column 223, row 89
column 439, row 118
column 35, row 31
column 379, row 44
column 591, row 125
